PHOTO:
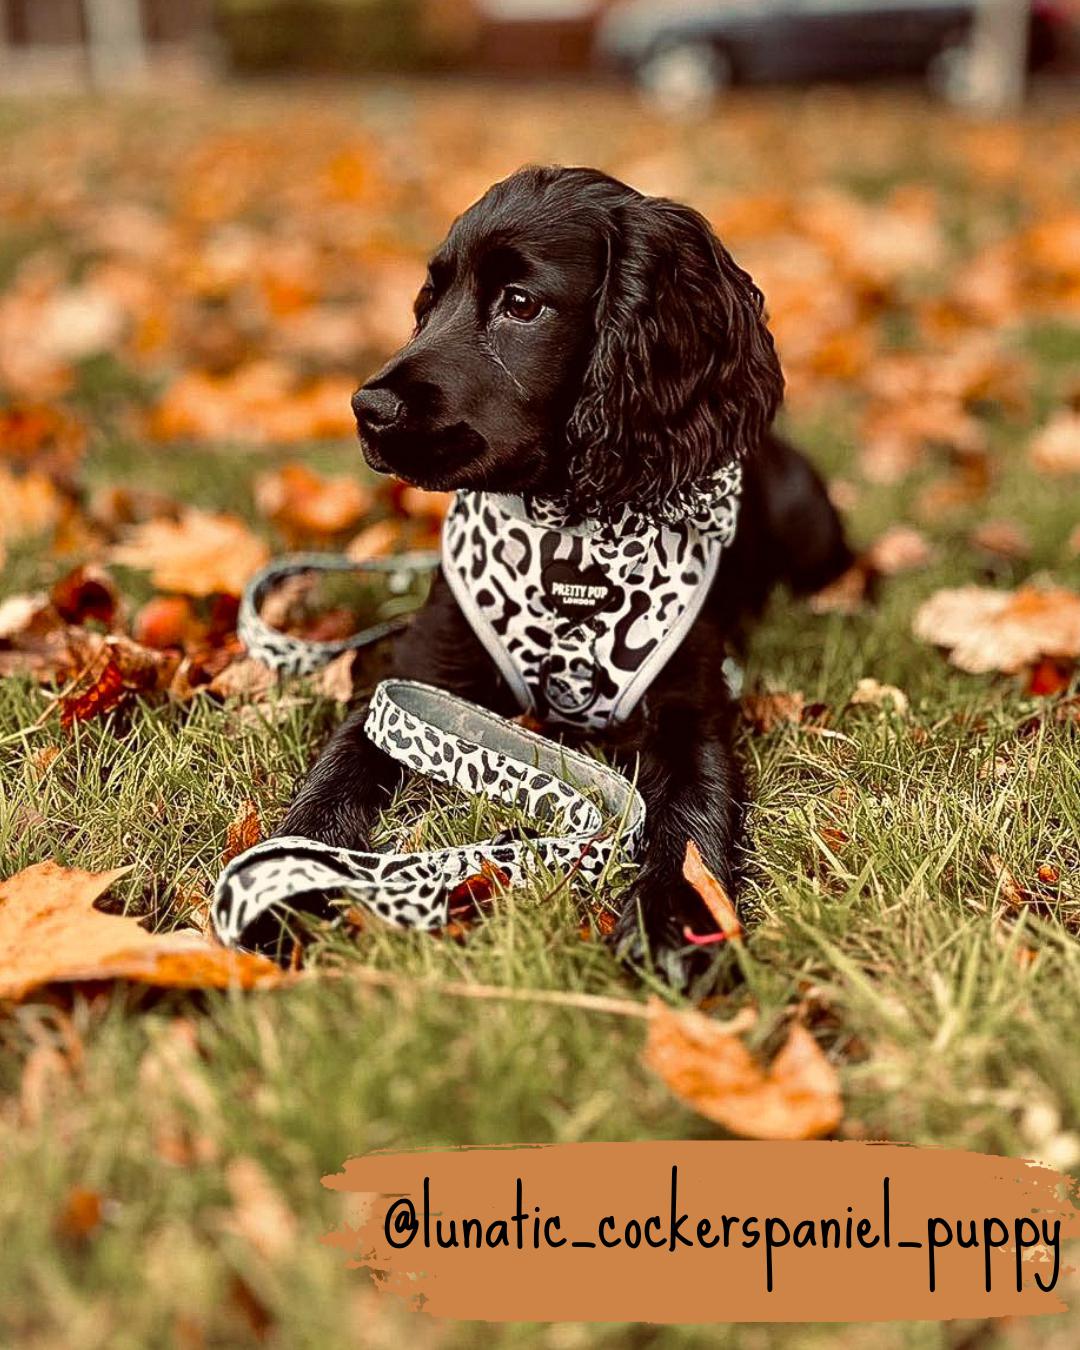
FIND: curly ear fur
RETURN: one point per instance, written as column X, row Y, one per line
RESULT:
column 683, row 376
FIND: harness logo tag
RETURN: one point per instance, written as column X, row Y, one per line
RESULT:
column 574, row 592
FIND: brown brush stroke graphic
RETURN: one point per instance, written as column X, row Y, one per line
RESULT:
column 928, row 1189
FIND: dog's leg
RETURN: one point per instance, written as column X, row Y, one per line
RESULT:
column 808, row 543
column 692, row 790
column 353, row 780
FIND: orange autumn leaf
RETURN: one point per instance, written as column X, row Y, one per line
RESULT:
column 479, row 888
column 105, row 693
column 846, row 594
column 764, row 712
column 706, row 1065
column 1003, row 538
column 43, row 437
column 900, row 549
column 85, row 593
column 374, row 541
column 51, row 933
column 242, row 833
column 715, row 897
column 81, row 1214
column 166, row 621
column 29, row 505
column 199, row 554
column 1055, row 449
column 1001, row 630
column 299, row 500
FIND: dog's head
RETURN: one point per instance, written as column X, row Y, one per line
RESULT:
column 575, row 336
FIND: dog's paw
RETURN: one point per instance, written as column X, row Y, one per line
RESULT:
column 650, row 933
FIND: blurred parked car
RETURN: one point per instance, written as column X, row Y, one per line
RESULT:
column 686, row 52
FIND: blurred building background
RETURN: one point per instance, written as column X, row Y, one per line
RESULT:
column 682, row 52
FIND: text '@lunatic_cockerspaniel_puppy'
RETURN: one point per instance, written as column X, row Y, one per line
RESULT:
column 582, row 346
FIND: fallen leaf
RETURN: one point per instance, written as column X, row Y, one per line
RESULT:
column 51, row 933
column 18, row 612
column 166, row 621
column 105, row 693
column 242, row 833
column 259, row 1215
column 29, row 505
column 246, row 678
column 85, row 593
column 705, row 1064
column 1011, row 892
column 376, row 541
column 81, row 1214
column 715, row 897
column 1004, row 538
column 1001, row 630
column 335, row 680
column 421, row 503
column 478, row 889
column 1055, row 448
column 846, row 594
column 874, row 692
column 900, row 549
column 963, row 487
column 199, row 554
column 1048, row 678
column 766, row 711
column 302, row 502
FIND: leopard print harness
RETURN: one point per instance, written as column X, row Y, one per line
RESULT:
column 581, row 616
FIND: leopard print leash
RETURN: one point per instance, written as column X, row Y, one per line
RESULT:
column 585, row 809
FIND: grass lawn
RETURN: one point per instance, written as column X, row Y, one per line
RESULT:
column 871, row 873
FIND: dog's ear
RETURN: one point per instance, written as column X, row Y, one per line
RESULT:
column 683, row 376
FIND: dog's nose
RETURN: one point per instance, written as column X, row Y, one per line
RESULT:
column 376, row 409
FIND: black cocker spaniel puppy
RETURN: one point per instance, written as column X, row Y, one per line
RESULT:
column 580, row 343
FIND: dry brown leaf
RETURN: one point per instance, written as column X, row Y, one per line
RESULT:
column 85, row 593
column 81, row 1214
column 167, row 621
column 261, row 402
column 480, row 888
column 242, row 833
column 705, row 1064
column 1013, row 895
column 845, row 595
column 375, row 541
column 102, row 695
column 1055, row 448
column 302, row 502
column 900, row 549
column 879, row 695
column 51, row 933
column 199, row 554
column 246, row 678
column 715, row 897
column 1005, row 538
column 18, row 612
column 335, row 680
column 766, row 711
column 29, row 504
column 1001, row 630
column 259, row 1215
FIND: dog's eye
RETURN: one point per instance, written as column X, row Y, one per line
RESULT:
column 520, row 304
column 423, row 303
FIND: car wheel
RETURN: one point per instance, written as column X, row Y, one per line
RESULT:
column 949, row 73
column 684, row 77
